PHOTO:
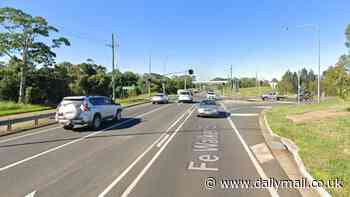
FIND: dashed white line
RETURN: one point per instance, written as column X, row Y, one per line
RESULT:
column 74, row 141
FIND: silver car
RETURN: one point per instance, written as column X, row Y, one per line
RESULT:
column 160, row 98
column 210, row 108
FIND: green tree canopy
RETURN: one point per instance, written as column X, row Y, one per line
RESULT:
column 23, row 41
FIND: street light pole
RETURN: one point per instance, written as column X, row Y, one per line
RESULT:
column 316, row 28
column 319, row 66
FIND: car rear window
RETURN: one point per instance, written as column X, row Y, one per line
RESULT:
column 184, row 93
column 207, row 102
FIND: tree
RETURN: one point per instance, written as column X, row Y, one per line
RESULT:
column 22, row 41
column 337, row 81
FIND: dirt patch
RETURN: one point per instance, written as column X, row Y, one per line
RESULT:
column 317, row 115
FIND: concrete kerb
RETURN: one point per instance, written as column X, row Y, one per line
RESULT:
column 293, row 150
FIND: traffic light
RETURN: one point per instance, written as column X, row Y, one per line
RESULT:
column 190, row 71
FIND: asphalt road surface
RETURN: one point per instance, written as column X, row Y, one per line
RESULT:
column 156, row 150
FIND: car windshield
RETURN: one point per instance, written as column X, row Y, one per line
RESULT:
column 160, row 94
column 184, row 93
column 207, row 102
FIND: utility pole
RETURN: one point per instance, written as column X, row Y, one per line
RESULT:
column 149, row 73
column 113, row 67
column 185, row 82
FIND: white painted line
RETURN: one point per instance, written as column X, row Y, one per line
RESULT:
column 110, row 186
column 272, row 191
column 262, row 153
column 162, row 141
column 32, row 194
column 149, row 164
column 263, row 107
column 74, row 141
column 29, row 134
column 245, row 115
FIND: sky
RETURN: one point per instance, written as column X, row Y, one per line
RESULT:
column 207, row 36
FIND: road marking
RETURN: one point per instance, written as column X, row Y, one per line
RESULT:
column 110, row 186
column 263, row 107
column 245, row 115
column 77, row 140
column 162, row 141
column 31, row 194
column 149, row 164
column 272, row 191
column 262, row 153
column 29, row 134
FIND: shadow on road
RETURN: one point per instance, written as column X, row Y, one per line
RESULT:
column 123, row 124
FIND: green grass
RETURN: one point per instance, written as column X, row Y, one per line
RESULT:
column 133, row 100
column 324, row 144
column 248, row 92
column 11, row 108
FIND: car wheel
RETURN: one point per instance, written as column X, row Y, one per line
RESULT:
column 118, row 116
column 68, row 127
column 96, row 123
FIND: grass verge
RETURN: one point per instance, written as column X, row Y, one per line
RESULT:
column 133, row 100
column 11, row 108
column 324, row 144
column 248, row 92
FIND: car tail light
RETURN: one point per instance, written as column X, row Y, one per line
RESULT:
column 85, row 106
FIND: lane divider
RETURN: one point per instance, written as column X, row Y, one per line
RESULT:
column 149, row 164
column 76, row 140
column 162, row 141
column 116, row 180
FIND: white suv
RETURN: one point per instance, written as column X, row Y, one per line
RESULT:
column 185, row 96
column 87, row 110
column 211, row 95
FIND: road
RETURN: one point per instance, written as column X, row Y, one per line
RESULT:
column 156, row 150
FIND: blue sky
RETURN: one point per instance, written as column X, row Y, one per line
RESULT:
column 205, row 35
